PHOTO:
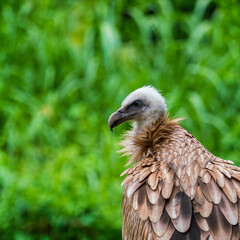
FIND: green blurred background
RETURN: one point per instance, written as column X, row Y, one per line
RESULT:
column 65, row 66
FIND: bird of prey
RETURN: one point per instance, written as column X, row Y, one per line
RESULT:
column 176, row 188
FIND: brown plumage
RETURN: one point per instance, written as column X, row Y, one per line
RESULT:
column 176, row 188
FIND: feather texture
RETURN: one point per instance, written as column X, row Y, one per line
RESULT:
column 177, row 189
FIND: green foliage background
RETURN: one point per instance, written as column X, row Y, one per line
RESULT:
column 65, row 66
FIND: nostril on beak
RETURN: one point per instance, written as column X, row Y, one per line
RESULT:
column 120, row 110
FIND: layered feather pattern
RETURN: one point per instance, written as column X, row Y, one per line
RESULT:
column 177, row 189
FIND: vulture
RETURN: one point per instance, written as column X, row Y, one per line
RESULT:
column 175, row 188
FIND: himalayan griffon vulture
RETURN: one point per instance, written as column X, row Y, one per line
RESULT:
column 176, row 188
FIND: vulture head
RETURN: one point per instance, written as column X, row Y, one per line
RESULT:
column 142, row 106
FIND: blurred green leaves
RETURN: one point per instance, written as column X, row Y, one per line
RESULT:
column 65, row 66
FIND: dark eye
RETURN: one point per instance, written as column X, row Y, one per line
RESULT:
column 137, row 103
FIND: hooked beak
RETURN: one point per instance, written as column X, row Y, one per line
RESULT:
column 118, row 117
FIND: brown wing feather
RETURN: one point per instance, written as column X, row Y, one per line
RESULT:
column 153, row 195
column 219, row 227
column 214, row 191
column 230, row 191
column 235, row 232
column 133, row 187
column 167, row 189
column 202, row 222
column 155, row 210
column 173, row 206
column 183, row 221
column 153, row 180
column 142, row 203
column 229, row 210
column 160, row 227
column 169, row 232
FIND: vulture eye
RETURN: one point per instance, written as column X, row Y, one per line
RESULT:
column 137, row 103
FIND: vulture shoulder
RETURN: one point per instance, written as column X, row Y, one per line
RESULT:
column 177, row 189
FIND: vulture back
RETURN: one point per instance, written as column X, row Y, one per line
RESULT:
column 176, row 188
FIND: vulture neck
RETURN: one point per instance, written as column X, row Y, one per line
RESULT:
column 147, row 121
column 141, row 142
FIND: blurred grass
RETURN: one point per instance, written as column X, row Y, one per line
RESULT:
column 65, row 66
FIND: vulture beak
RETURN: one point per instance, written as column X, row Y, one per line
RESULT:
column 118, row 117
